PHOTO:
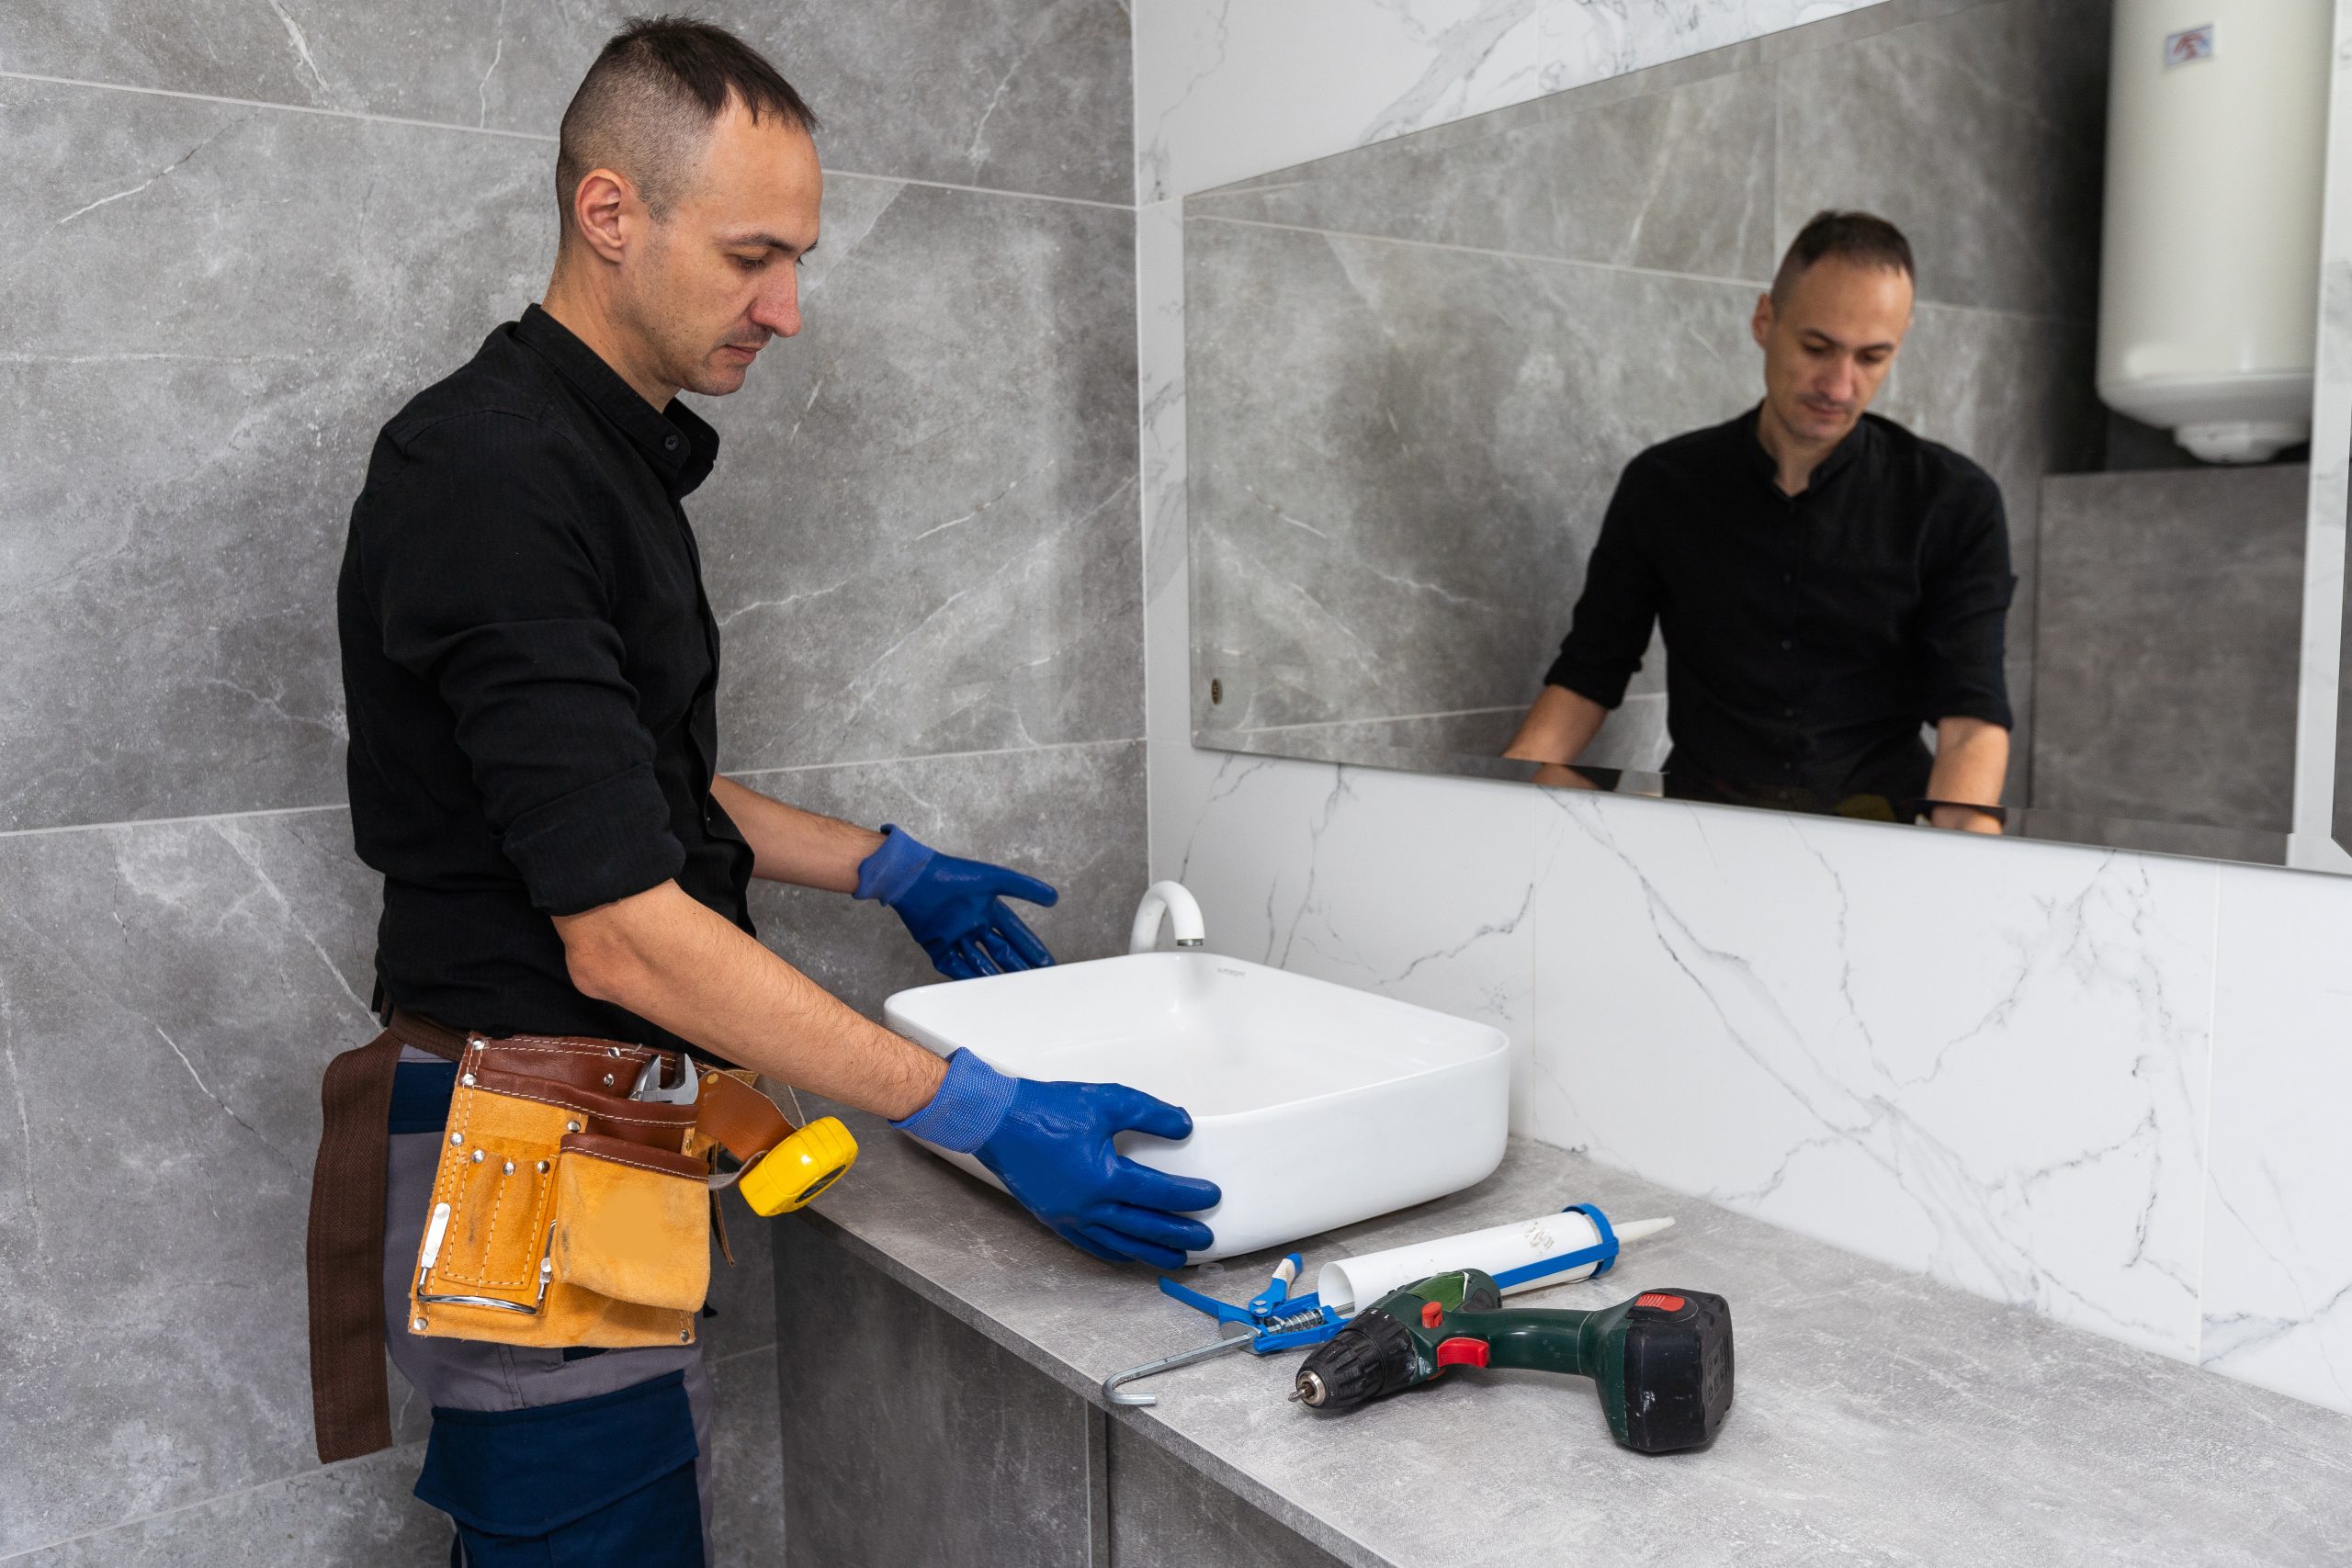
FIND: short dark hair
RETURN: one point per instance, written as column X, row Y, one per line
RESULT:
column 1862, row 238
column 648, row 102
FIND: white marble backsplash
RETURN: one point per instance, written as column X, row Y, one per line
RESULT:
column 1226, row 89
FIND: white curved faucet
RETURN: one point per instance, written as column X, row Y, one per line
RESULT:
column 1171, row 899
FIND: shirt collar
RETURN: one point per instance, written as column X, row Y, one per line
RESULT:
column 1767, row 469
column 675, row 442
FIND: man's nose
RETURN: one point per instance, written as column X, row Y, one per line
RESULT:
column 1839, row 382
column 778, row 309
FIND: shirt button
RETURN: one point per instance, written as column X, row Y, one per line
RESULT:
column 1787, row 643
column 1788, row 713
column 1788, row 577
column 670, row 443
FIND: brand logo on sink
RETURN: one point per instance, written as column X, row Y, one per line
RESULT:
column 1237, row 974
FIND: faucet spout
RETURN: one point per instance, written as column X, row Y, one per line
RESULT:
column 1171, row 901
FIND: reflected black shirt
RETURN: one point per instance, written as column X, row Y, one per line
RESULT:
column 1809, row 637
column 529, row 665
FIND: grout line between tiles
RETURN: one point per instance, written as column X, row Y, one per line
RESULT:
column 1539, row 260
column 267, row 104
column 768, row 1348
column 168, row 822
column 8, row 833
column 511, row 135
column 983, row 190
column 194, row 1504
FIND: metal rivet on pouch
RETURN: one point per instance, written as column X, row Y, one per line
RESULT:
column 417, row 1324
column 686, row 1337
column 612, row 1050
column 510, row 1167
column 456, row 1137
column 608, row 1080
column 468, row 1081
column 543, row 1168
column 480, row 1154
column 571, row 1126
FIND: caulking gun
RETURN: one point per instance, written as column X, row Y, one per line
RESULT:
column 1578, row 1243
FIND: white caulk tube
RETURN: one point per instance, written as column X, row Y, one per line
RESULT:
column 1505, row 1251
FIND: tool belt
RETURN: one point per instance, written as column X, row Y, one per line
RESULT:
column 565, row 1213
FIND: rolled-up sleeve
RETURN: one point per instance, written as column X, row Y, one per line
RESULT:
column 1611, row 628
column 1964, row 607
column 495, row 597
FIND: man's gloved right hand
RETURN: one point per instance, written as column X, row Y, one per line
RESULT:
column 1050, row 1145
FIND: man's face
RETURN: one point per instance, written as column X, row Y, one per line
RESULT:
column 721, row 275
column 1830, row 343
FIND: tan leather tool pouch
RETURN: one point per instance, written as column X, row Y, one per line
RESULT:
column 564, row 1213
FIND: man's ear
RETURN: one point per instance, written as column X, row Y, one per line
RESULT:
column 1760, row 323
column 600, row 210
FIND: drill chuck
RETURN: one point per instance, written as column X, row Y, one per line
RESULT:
column 1370, row 1358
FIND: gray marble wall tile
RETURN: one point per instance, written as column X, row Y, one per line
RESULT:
column 922, row 535
column 501, row 67
column 1165, row 1514
column 2171, row 620
column 1678, row 179
column 357, row 1512
column 914, row 1439
column 1979, row 133
column 1071, row 814
column 187, row 399
column 1011, row 95
column 747, row 1525
column 1399, row 457
column 168, row 995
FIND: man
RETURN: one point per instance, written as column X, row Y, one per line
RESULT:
column 530, row 665
column 1826, row 581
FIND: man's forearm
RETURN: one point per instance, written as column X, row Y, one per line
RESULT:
column 792, row 845
column 1559, row 726
column 673, row 961
column 1971, row 764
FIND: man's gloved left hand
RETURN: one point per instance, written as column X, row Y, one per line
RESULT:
column 1052, row 1145
column 955, row 908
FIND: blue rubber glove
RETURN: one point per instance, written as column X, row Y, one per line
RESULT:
column 955, row 908
column 1050, row 1145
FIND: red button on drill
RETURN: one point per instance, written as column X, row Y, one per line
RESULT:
column 1663, row 1302
column 1461, row 1353
column 1431, row 1314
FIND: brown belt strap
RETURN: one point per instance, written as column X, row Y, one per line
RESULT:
column 350, row 1403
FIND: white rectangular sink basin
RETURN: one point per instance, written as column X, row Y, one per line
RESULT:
column 1312, row 1105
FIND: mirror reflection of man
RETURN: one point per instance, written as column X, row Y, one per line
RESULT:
column 1826, row 581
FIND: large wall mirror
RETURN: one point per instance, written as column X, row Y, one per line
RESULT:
column 1419, row 374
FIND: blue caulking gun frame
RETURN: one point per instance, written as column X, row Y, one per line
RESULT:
column 1273, row 1320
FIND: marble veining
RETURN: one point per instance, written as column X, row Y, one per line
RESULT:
column 1216, row 83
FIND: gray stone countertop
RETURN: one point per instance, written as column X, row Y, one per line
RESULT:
column 1879, row 1417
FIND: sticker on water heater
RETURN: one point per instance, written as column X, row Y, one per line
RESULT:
column 2189, row 46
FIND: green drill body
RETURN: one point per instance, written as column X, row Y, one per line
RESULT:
column 1661, row 1361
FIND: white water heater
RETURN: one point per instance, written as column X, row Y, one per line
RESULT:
column 2209, row 281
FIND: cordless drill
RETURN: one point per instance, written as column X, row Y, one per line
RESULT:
column 1660, row 1362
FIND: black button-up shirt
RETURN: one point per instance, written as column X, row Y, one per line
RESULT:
column 1808, row 637
column 529, row 665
